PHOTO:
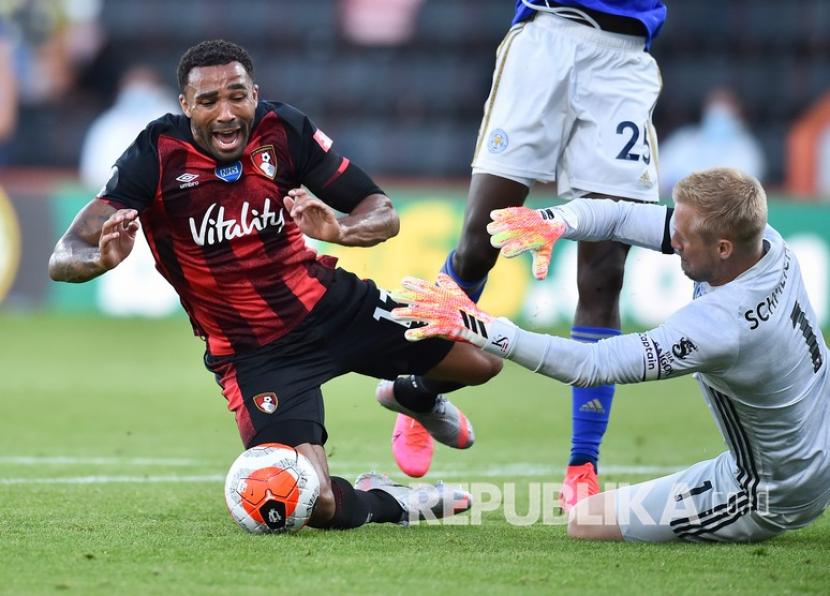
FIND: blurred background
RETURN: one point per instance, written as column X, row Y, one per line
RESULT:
column 400, row 86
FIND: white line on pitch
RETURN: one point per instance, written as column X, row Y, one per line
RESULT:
column 459, row 471
column 549, row 470
column 516, row 470
column 29, row 460
column 114, row 479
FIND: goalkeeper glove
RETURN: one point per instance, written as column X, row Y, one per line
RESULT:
column 446, row 311
column 520, row 229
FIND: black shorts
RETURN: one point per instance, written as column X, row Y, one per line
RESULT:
column 275, row 391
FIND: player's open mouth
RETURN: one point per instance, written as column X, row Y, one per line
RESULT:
column 227, row 140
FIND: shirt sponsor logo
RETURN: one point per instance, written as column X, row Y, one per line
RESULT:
column 229, row 173
column 214, row 228
column 188, row 180
column 666, row 360
column 323, row 140
column 265, row 160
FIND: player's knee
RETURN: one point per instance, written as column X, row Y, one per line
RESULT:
column 575, row 528
column 324, row 508
column 577, row 531
column 487, row 367
column 594, row 518
column 495, row 366
column 580, row 524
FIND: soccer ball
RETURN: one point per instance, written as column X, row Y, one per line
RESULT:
column 271, row 488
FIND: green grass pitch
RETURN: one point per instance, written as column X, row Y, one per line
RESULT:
column 115, row 440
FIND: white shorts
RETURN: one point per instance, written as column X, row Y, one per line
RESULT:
column 573, row 104
column 704, row 503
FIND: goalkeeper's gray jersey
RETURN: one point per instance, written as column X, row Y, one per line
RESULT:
column 754, row 344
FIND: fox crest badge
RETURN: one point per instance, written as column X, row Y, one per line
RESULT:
column 265, row 160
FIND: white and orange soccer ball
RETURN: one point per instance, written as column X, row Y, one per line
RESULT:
column 271, row 488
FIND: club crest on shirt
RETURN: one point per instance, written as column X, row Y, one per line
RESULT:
column 497, row 141
column 266, row 402
column 265, row 160
column 229, row 173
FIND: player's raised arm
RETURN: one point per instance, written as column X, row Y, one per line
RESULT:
column 684, row 344
column 691, row 340
column 343, row 204
column 373, row 220
column 370, row 221
column 99, row 238
column 516, row 230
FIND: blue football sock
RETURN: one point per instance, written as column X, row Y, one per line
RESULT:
column 591, row 406
column 473, row 289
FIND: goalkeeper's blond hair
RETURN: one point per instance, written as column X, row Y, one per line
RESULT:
column 731, row 204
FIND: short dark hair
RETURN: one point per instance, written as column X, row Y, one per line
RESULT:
column 212, row 53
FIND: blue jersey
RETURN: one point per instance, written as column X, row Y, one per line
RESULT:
column 651, row 13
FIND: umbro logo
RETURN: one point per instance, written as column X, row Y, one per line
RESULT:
column 188, row 180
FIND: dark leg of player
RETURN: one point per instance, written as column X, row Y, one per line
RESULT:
column 465, row 365
column 473, row 258
column 342, row 507
column 462, row 366
column 600, row 270
column 418, row 393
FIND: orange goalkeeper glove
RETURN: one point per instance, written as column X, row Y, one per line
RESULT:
column 446, row 311
column 520, row 229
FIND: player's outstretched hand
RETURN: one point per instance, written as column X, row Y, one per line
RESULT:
column 445, row 310
column 520, row 229
column 314, row 218
column 118, row 237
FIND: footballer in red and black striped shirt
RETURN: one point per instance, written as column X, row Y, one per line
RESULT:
column 218, row 192
column 216, row 223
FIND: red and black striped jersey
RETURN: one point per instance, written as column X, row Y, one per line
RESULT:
column 219, row 232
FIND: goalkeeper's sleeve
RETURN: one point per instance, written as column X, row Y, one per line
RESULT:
column 700, row 337
column 636, row 224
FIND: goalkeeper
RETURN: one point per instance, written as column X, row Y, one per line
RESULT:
column 750, row 336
